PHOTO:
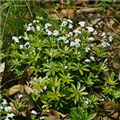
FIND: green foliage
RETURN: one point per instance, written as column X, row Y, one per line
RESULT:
column 81, row 114
column 65, row 63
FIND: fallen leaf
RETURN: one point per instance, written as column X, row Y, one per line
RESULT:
column 15, row 89
column 2, row 67
column 116, row 65
column 28, row 89
column 24, row 113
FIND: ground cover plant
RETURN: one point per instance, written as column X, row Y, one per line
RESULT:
column 58, row 66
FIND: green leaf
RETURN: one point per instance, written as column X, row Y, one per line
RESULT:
column 92, row 116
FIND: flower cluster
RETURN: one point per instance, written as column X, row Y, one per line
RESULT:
column 4, row 108
column 65, row 58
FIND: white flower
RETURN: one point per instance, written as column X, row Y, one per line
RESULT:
column 77, row 41
column 47, row 25
column 110, row 38
column 104, row 44
column 70, row 26
column 34, row 112
column 90, row 29
column 10, row 115
column 4, row 102
column 90, row 38
column 20, row 96
column 62, row 38
column 8, row 109
column 45, row 87
column 28, row 28
column 21, row 46
column 55, row 33
column 95, row 32
column 70, row 21
column 26, row 38
column 7, row 118
column 82, row 23
column 35, row 21
column 72, row 43
column 92, row 58
column 30, row 24
column 108, row 44
column 38, row 28
column 87, row 49
column 19, row 37
column 27, row 43
column 67, row 41
column 1, row 107
column 48, row 32
column 87, row 60
column 42, row 117
column 65, row 67
column 103, row 35
column 87, row 101
column 70, row 34
column 15, row 39
column 76, row 31
column 64, row 23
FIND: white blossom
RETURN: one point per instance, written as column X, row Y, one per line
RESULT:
column 64, row 23
column 92, row 58
column 77, row 41
column 48, row 32
column 110, row 38
column 38, row 28
column 62, row 38
column 21, row 46
column 20, row 96
column 35, row 21
column 72, row 43
column 8, row 109
column 34, row 112
column 55, row 33
column 47, row 25
column 10, row 115
column 7, row 118
column 45, row 87
column 76, row 31
column 42, row 117
column 26, row 38
column 67, row 41
column 87, row 49
column 4, row 102
column 95, row 32
column 103, row 35
column 87, row 60
column 27, row 43
column 82, row 23
column 19, row 37
column 104, row 44
column 90, row 38
column 70, row 26
column 87, row 101
column 70, row 34
column 28, row 28
column 90, row 29
column 108, row 44
column 70, row 21
column 30, row 24
column 15, row 39
column 1, row 107
column 65, row 67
